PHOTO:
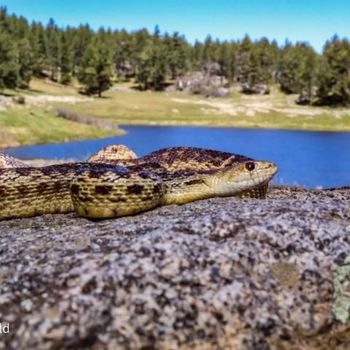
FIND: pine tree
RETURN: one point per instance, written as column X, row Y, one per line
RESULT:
column 123, row 55
column 82, row 37
column 196, row 56
column 152, row 64
column 96, row 71
column 243, row 58
column 66, row 64
column 227, row 61
column 159, row 66
column 39, row 44
column 25, row 61
column 333, row 82
column 296, row 69
column 143, row 66
column 53, row 57
column 266, row 60
column 306, row 73
column 208, row 53
column 177, row 54
column 9, row 67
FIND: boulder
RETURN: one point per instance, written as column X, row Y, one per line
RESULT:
column 212, row 69
column 201, row 84
column 222, row 273
column 258, row 89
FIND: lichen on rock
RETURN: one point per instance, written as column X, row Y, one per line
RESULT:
column 341, row 307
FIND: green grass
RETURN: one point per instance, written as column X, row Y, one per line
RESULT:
column 40, row 86
column 35, row 126
column 157, row 108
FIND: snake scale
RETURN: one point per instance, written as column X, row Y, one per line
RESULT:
column 115, row 183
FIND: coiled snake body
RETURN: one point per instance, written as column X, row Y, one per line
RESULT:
column 115, row 183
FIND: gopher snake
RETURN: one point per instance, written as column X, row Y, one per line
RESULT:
column 115, row 183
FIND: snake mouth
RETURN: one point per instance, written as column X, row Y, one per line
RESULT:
column 258, row 176
column 262, row 170
column 267, row 170
column 257, row 184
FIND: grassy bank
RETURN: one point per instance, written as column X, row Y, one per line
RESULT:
column 34, row 123
column 21, row 126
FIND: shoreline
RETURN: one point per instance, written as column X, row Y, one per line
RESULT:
column 224, row 126
column 122, row 132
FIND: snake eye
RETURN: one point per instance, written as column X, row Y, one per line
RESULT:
column 250, row 166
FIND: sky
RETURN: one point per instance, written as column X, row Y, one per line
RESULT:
column 313, row 21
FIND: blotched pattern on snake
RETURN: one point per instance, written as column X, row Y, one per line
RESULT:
column 114, row 182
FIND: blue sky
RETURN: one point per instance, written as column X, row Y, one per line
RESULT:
column 309, row 20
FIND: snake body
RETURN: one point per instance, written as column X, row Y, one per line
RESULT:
column 115, row 183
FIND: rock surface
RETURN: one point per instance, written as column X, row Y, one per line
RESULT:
column 203, row 83
column 222, row 273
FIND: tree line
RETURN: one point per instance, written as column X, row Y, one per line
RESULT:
column 99, row 58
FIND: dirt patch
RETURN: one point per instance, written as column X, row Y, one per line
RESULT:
column 41, row 100
column 253, row 105
column 230, row 108
column 6, row 102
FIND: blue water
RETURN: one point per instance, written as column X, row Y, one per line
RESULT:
column 311, row 159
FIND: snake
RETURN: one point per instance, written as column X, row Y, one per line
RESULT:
column 115, row 182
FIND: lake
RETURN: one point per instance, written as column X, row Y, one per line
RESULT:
column 311, row 159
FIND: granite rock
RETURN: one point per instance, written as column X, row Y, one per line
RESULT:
column 223, row 273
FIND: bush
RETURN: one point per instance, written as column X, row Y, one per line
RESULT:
column 19, row 100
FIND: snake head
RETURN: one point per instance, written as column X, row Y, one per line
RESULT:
column 242, row 176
